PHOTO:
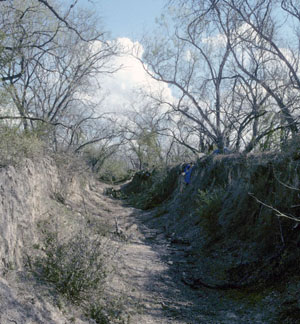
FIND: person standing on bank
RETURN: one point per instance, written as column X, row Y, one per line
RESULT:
column 186, row 174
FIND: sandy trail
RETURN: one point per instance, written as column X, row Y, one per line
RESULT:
column 144, row 267
column 149, row 271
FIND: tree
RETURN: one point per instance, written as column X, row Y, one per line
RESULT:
column 51, row 65
column 194, row 63
column 230, row 78
column 258, row 41
column 141, row 130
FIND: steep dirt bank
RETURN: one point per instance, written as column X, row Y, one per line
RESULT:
column 29, row 194
column 24, row 194
column 226, row 222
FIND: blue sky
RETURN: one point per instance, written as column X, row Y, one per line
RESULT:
column 126, row 18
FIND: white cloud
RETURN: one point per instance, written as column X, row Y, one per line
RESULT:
column 132, row 76
column 215, row 41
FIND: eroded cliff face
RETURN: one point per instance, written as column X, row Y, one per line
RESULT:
column 24, row 199
column 29, row 195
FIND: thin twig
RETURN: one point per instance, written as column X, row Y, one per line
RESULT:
column 284, row 184
column 278, row 212
column 12, row 321
column 281, row 232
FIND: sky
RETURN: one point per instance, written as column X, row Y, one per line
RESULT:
column 126, row 18
column 127, row 21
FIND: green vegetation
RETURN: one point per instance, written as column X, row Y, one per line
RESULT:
column 147, row 148
column 107, row 314
column 114, row 171
column 210, row 204
column 106, row 165
column 75, row 267
column 244, row 202
column 150, row 189
column 16, row 145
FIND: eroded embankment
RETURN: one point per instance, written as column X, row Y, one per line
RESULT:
column 24, row 194
column 232, row 219
column 51, row 215
column 50, row 228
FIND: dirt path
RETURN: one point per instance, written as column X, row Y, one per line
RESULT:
column 150, row 270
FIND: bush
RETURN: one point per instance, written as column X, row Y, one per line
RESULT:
column 114, row 171
column 16, row 145
column 107, row 314
column 71, row 260
column 75, row 267
column 148, row 190
column 210, row 204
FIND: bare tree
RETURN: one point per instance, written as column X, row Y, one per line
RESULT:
column 142, row 129
column 51, row 60
column 265, row 64
column 253, row 40
column 194, row 63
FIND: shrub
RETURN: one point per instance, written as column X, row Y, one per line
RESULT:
column 114, row 171
column 72, row 259
column 107, row 313
column 74, row 267
column 16, row 145
column 152, row 190
column 210, row 204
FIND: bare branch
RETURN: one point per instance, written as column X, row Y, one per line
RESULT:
column 57, row 15
column 278, row 213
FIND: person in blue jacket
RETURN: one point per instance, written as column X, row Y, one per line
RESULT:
column 188, row 172
column 186, row 175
